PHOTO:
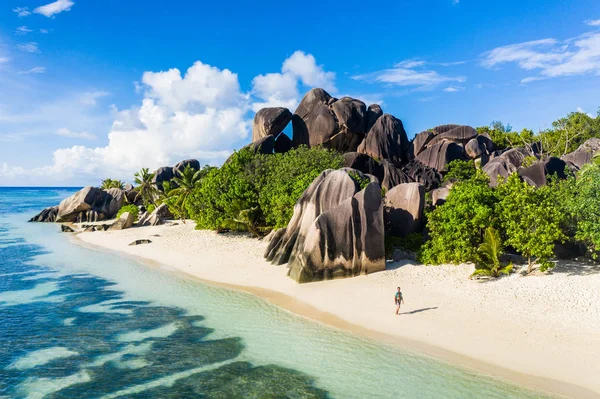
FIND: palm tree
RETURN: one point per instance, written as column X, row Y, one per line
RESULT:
column 110, row 183
column 489, row 256
column 145, row 187
column 185, row 183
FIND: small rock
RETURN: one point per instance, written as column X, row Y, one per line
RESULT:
column 140, row 242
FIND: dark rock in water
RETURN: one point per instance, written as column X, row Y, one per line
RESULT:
column 392, row 176
column 90, row 204
column 474, row 149
column 46, row 215
column 161, row 175
column 421, row 140
column 159, row 216
column 373, row 113
column 404, row 205
column 538, row 173
column 344, row 241
column 363, row 163
column 313, row 121
column 283, row 144
column 457, row 134
column 423, row 174
column 505, row 164
column 439, row 155
column 266, row 145
column 66, row 228
column 140, row 242
column 387, row 140
column 270, row 122
column 180, row 166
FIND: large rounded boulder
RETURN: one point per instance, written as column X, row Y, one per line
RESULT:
column 404, row 206
column 537, row 174
column 336, row 229
column 314, row 122
column 505, row 164
column 90, row 204
column 387, row 140
column 270, row 122
column 440, row 154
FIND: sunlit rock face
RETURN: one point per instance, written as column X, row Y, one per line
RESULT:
column 336, row 230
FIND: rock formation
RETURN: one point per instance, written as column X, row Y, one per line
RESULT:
column 537, row 174
column 404, row 206
column 387, row 140
column 505, row 164
column 336, row 229
column 270, row 122
column 159, row 216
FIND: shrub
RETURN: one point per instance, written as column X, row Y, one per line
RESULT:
column 150, row 208
column 489, row 252
column 411, row 242
column 459, row 170
column 255, row 192
column 134, row 210
column 585, row 207
column 456, row 227
column 531, row 220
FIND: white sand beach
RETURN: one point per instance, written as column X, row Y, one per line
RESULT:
column 541, row 330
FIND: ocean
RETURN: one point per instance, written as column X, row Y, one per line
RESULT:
column 80, row 323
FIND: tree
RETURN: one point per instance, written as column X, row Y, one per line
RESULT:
column 456, row 228
column 489, row 252
column 531, row 220
column 459, row 170
column 185, row 183
column 585, row 206
column 568, row 133
column 145, row 187
column 110, row 183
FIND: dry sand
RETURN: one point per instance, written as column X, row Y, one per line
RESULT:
column 542, row 331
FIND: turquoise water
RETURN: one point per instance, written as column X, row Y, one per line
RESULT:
column 78, row 323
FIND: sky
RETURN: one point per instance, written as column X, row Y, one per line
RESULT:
column 101, row 88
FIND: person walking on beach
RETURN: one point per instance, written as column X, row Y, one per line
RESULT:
column 398, row 300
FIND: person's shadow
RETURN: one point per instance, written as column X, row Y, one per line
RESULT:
column 419, row 310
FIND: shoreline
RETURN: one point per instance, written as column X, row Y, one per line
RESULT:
column 433, row 336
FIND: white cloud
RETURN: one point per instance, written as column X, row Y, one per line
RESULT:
column 281, row 89
column 453, row 89
column 67, row 133
column 201, row 113
column 580, row 110
column 22, row 30
column 44, row 31
column 31, row 47
column 49, row 10
column 35, row 70
column 409, row 73
column 552, row 58
column 22, row 11
column 593, row 22
column 4, row 60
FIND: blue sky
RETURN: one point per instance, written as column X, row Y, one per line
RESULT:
column 98, row 88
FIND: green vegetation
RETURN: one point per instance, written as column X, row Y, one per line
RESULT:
column 145, row 188
column 361, row 181
column 460, row 170
column 134, row 210
column 584, row 207
column 456, row 227
column 255, row 192
column 489, row 252
column 110, row 183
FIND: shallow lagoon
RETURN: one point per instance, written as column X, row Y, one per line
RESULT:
column 81, row 323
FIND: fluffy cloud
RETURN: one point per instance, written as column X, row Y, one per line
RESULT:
column 409, row 73
column 593, row 22
column 31, row 47
column 550, row 57
column 4, row 60
column 201, row 113
column 22, row 11
column 453, row 89
column 281, row 89
column 49, row 10
column 35, row 70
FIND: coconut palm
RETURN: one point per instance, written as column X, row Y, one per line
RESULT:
column 489, row 256
column 145, row 187
column 184, row 183
column 110, row 183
